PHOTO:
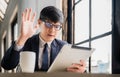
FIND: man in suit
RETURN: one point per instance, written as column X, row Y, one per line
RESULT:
column 50, row 22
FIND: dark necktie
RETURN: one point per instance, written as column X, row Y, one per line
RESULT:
column 45, row 58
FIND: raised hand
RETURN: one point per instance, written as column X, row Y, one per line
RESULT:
column 27, row 26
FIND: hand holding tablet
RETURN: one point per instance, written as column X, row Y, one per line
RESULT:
column 69, row 54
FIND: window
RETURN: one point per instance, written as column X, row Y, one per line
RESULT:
column 93, row 29
column 14, row 29
column 3, row 7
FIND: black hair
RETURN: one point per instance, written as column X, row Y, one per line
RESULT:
column 51, row 13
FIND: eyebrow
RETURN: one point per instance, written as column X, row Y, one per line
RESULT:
column 53, row 23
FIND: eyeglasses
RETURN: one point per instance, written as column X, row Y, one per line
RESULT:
column 49, row 25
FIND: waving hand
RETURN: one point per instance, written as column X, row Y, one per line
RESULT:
column 27, row 26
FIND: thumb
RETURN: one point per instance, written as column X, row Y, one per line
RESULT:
column 36, row 27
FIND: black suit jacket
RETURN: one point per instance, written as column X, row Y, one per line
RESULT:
column 11, row 57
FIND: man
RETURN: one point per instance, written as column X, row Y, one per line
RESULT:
column 50, row 22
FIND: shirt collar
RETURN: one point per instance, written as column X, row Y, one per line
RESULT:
column 42, row 42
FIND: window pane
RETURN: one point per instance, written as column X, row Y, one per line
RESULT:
column 82, row 21
column 16, row 31
column 84, row 45
column 101, row 23
column 102, row 52
column 101, row 16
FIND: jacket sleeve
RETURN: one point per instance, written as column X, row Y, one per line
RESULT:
column 11, row 58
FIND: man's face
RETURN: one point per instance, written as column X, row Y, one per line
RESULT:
column 49, row 30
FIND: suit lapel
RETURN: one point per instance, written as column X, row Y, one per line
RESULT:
column 54, row 51
column 36, row 49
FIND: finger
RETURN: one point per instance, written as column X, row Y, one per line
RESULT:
column 36, row 27
column 29, row 14
column 23, row 16
column 82, row 62
column 26, row 14
column 70, row 69
column 78, row 67
column 75, row 66
column 74, row 70
column 33, row 17
column 78, row 64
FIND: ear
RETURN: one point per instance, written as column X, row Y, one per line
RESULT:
column 39, row 21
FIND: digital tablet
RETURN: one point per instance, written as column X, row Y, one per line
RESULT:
column 69, row 54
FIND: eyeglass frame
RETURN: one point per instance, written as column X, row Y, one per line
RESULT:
column 50, row 25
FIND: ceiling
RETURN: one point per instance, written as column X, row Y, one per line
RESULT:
column 3, row 7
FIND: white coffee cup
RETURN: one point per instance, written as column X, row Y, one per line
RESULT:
column 27, row 61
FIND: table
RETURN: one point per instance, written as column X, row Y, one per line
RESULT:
column 56, row 74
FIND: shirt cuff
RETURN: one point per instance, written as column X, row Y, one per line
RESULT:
column 17, row 47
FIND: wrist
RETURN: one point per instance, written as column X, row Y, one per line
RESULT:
column 21, row 41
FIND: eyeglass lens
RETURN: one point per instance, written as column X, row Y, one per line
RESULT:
column 49, row 25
